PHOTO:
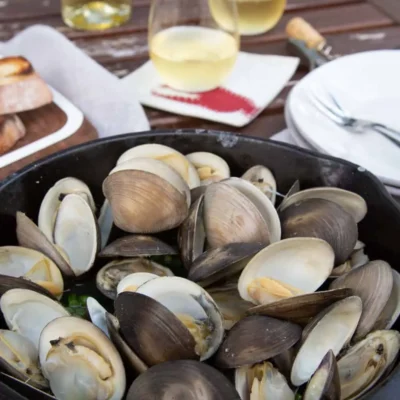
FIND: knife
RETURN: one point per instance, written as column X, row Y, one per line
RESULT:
column 308, row 44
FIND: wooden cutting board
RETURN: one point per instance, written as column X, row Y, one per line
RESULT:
column 42, row 122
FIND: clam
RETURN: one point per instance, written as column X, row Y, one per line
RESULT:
column 236, row 211
column 292, row 190
column 19, row 357
column 105, row 223
column 262, row 178
column 322, row 219
column 193, row 306
column 329, row 330
column 365, row 363
column 391, row 310
column 210, row 167
column 97, row 314
column 301, row 309
column 108, row 277
column 325, row 383
column 373, row 283
column 51, row 202
column 357, row 259
column 255, row 339
column 153, row 332
column 80, row 362
column 182, row 379
column 32, row 265
column 284, row 361
column 233, row 308
column 169, row 156
column 195, row 193
column 192, row 236
column 76, row 232
column 222, row 262
column 351, row 202
column 27, row 312
column 262, row 381
column 288, row 268
column 132, row 282
column 8, row 282
column 146, row 196
column 30, row 236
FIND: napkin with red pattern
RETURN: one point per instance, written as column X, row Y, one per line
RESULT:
column 253, row 84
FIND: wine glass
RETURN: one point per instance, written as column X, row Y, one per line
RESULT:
column 190, row 49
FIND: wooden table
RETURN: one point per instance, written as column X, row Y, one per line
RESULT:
column 349, row 25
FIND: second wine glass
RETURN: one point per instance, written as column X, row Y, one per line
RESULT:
column 189, row 50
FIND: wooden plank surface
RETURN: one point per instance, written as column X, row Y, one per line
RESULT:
column 349, row 25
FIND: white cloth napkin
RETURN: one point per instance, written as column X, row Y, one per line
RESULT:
column 110, row 106
column 254, row 82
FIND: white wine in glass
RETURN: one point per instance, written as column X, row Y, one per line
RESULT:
column 255, row 16
column 189, row 50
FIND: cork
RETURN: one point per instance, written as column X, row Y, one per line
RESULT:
column 298, row 28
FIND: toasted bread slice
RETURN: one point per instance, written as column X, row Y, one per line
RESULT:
column 11, row 130
column 21, row 88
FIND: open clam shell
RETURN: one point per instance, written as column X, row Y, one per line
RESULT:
column 30, row 236
column 76, row 232
column 330, row 330
column 193, row 306
column 27, row 312
column 365, row 363
column 97, row 314
column 182, row 379
column 169, row 156
column 285, row 269
column 301, row 309
column 132, row 282
column 19, row 357
column 373, row 283
column 262, row 178
column 210, row 167
column 292, row 190
column 262, row 381
column 72, row 346
column 51, row 202
column 31, row 265
column 255, row 339
column 105, row 223
column 353, row 203
column 192, row 235
column 8, row 282
column 153, row 332
column 108, row 277
column 322, row 219
column 222, row 262
column 325, row 383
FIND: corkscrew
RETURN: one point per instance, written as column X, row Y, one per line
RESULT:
column 307, row 43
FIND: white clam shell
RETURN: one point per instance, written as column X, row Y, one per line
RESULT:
column 133, row 281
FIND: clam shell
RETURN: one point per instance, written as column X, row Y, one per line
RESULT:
column 210, row 167
column 222, row 262
column 262, row 178
column 133, row 281
column 230, row 217
column 105, row 223
column 97, row 314
column 131, row 360
column 9, row 282
column 191, row 235
column 255, row 339
column 30, row 236
column 195, row 193
column 51, row 202
column 71, row 345
column 292, row 190
column 183, row 379
column 330, row 330
column 169, row 156
column 322, row 219
column 300, row 264
column 76, row 232
column 373, row 283
column 27, row 312
column 301, row 309
column 153, row 332
column 351, row 202
column 325, row 383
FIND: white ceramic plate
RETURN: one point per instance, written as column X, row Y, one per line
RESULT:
column 74, row 121
column 367, row 85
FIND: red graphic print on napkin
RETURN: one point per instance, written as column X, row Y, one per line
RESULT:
column 219, row 100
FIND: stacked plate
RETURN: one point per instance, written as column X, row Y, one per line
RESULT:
column 367, row 85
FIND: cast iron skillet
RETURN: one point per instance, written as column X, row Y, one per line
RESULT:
column 91, row 162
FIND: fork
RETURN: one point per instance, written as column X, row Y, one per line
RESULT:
column 342, row 117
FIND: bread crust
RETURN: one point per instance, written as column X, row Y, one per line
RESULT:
column 11, row 130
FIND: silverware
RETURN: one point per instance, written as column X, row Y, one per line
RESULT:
column 335, row 112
